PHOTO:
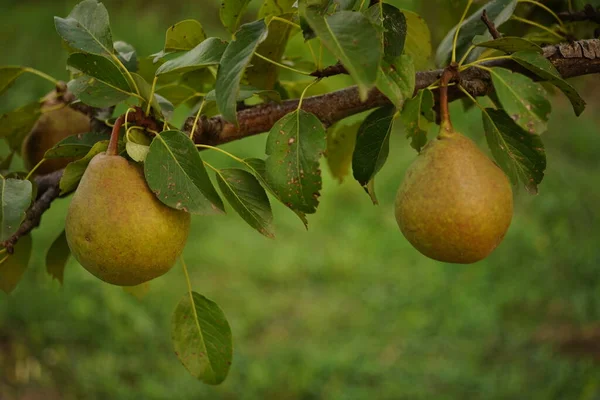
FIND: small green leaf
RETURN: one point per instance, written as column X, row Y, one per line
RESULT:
column 341, row 139
column 498, row 11
column 519, row 153
column 74, row 171
column 57, row 257
column 294, row 146
column 231, row 13
column 416, row 117
column 542, row 67
column 178, row 94
column 176, row 174
column 523, row 99
column 247, row 197
column 202, row 338
column 15, row 125
column 397, row 80
column 8, row 75
column 183, row 36
column 137, row 144
column 207, row 53
column 100, row 68
column 12, row 267
column 234, row 61
column 87, row 28
column 76, row 145
column 16, row 198
column 394, row 24
column 418, row 39
column 276, row 7
column 127, row 54
column 354, row 40
column 6, row 161
column 372, row 146
column 95, row 93
column 507, row 44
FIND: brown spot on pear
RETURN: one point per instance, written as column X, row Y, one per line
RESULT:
column 454, row 205
column 134, row 236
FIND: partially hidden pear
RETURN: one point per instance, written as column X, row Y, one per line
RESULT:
column 116, row 227
column 454, row 205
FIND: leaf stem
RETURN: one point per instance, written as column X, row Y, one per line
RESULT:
column 546, row 8
column 304, row 92
column 197, row 118
column 113, row 145
column 127, row 73
column 4, row 258
column 151, row 95
column 206, row 146
column 35, row 168
column 192, row 305
column 464, row 57
column 540, row 26
column 462, row 89
column 40, row 74
column 477, row 62
column 464, row 15
column 285, row 21
column 281, row 65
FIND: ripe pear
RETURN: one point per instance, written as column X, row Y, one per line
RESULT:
column 116, row 227
column 57, row 122
column 454, row 205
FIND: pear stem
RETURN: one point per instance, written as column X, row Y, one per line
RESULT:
column 450, row 73
column 113, row 145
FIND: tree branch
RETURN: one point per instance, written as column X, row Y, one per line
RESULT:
column 588, row 14
column 490, row 25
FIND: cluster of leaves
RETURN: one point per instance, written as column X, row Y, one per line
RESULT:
column 380, row 46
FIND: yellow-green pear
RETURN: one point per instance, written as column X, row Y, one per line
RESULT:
column 116, row 227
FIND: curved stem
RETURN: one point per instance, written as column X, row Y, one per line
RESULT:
column 464, row 15
column 35, row 168
column 464, row 57
column 281, row 65
column 151, row 95
column 285, row 21
column 127, row 73
column 113, row 145
column 41, row 74
column 477, row 62
column 196, row 119
column 546, row 8
column 304, row 92
column 540, row 26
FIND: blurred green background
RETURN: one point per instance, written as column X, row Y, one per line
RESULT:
column 347, row 310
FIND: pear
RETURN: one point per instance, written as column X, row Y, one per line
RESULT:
column 454, row 205
column 57, row 122
column 116, row 227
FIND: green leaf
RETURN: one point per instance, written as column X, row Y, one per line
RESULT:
column 87, row 28
column 202, row 338
column 276, row 7
column 247, row 197
column 418, row 39
column 137, row 144
column 16, row 198
column 519, row 153
column 95, row 93
column 231, row 13
column 100, row 68
column 8, row 75
column 416, row 115
column 395, row 29
column 6, row 161
column 341, row 139
column 176, row 174
column 523, row 99
column 507, row 44
column 178, row 94
column 234, row 61
column 258, row 168
column 12, row 267
column 145, row 91
column 127, row 54
column 294, row 146
column 57, row 257
column 498, row 11
column 263, row 74
column 397, row 80
column 372, row 146
column 543, row 68
column 15, row 125
column 207, row 53
column 183, row 36
column 74, row 171
column 354, row 40
column 76, row 145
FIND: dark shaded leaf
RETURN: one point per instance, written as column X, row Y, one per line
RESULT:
column 57, row 257
column 15, row 125
column 101, row 68
column 95, row 93
column 76, row 145
column 207, row 53
column 127, row 55
column 395, row 28
column 15, row 198
column 74, row 171
column 397, row 80
column 507, row 44
column 8, row 75
column 12, row 267
column 416, row 115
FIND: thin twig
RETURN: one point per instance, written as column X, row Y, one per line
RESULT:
column 589, row 13
column 490, row 25
column 332, row 70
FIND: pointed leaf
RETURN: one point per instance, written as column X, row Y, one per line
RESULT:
column 8, row 75
column 418, row 39
column 137, row 144
column 16, row 198
column 183, row 36
column 74, row 171
column 523, row 99
column 76, row 145
column 498, row 11
column 12, row 267
column 176, row 174
column 57, row 257
column 207, row 53
column 127, row 54
column 95, row 93
column 341, row 139
column 507, row 44
column 394, row 24
column 234, row 61
column 277, row 7
column 397, row 80
column 100, row 68
column 247, row 197
column 231, row 13
column 15, row 125
column 372, row 145
column 519, row 153
column 354, row 40
column 87, row 28
column 202, row 338
column 542, row 67
column 415, row 115
column 294, row 146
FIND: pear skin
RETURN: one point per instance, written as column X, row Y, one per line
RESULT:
column 116, row 227
column 454, row 205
